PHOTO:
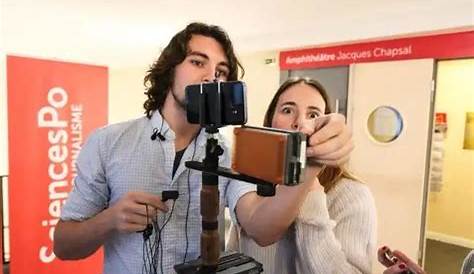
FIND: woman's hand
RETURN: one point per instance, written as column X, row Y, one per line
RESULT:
column 399, row 264
column 331, row 143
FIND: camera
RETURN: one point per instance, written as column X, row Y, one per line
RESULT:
column 216, row 104
column 280, row 154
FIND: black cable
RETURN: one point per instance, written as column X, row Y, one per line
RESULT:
column 162, row 138
column 152, row 263
column 160, row 244
column 151, row 250
column 144, row 268
column 189, row 203
column 147, row 248
column 150, row 257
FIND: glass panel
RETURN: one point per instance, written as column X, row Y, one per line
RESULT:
column 385, row 124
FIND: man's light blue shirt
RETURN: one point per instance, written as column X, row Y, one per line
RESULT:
column 120, row 158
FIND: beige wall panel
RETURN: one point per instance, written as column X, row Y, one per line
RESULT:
column 395, row 171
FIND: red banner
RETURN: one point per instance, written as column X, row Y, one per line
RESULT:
column 52, row 107
column 442, row 46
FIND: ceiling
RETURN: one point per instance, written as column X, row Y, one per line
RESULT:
column 123, row 33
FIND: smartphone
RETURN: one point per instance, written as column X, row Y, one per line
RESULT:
column 216, row 104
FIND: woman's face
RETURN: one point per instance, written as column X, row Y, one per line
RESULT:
column 298, row 107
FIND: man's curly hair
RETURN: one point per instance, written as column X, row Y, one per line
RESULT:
column 160, row 76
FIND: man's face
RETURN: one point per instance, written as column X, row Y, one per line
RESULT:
column 205, row 61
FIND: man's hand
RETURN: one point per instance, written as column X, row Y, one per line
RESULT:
column 79, row 239
column 331, row 143
column 130, row 213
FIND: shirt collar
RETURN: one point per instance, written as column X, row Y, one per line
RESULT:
column 159, row 123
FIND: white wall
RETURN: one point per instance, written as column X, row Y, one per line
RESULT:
column 3, row 101
column 126, row 93
column 262, row 81
column 3, row 116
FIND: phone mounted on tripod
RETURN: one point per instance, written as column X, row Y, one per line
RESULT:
column 263, row 156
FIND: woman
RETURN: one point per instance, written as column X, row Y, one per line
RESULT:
column 335, row 229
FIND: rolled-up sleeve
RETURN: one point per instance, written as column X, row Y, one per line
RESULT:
column 236, row 189
column 90, row 193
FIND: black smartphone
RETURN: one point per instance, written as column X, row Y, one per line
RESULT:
column 216, row 104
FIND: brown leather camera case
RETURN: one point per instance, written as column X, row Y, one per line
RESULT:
column 269, row 154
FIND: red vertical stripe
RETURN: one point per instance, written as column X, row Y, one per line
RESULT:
column 52, row 107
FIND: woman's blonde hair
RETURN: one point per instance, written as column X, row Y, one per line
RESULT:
column 330, row 175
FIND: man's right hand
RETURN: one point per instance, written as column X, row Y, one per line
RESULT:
column 135, row 210
column 79, row 239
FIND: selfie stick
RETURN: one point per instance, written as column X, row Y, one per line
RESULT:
column 211, row 171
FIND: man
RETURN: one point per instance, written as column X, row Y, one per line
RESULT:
column 123, row 168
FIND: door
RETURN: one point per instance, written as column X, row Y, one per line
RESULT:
column 334, row 80
column 394, row 170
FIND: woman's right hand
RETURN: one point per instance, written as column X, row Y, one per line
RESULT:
column 401, row 263
column 330, row 141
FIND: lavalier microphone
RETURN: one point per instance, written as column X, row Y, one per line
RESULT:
column 157, row 133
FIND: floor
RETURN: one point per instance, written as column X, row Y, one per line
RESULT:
column 443, row 258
